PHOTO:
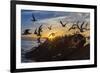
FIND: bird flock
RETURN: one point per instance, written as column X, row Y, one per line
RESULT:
column 81, row 28
column 38, row 31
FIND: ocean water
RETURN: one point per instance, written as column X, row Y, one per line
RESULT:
column 26, row 46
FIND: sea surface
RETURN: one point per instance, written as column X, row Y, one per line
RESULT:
column 26, row 46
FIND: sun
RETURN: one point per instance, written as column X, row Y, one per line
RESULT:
column 51, row 36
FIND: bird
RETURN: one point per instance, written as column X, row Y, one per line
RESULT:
column 38, row 31
column 81, row 27
column 74, row 26
column 49, row 27
column 27, row 31
column 86, row 26
column 63, row 25
column 38, row 40
column 40, row 28
column 39, row 36
column 33, row 18
column 35, row 32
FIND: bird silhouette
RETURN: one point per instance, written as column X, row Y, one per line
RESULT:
column 27, row 31
column 63, row 25
column 38, row 33
column 49, row 27
column 40, row 28
column 81, row 27
column 33, row 18
column 39, row 36
column 39, row 40
column 74, row 26
column 86, row 28
column 35, row 32
column 86, row 24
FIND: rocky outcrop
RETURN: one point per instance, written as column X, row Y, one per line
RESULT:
column 61, row 48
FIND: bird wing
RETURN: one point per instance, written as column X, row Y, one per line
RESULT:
column 40, row 28
column 49, row 27
column 71, row 27
column 26, row 31
column 61, row 23
column 35, row 32
column 82, row 25
column 33, row 17
column 66, row 23
column 38, row 40
column 78, row 27
column 86, row 24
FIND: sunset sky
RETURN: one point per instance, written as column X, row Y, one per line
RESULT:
column 50, row 18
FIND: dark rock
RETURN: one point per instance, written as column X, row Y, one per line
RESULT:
column 61, row 48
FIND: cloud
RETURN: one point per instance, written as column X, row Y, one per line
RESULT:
column 46, row 18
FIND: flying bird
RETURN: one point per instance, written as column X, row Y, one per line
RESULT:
column 40, row 28
column 49, row 27
column 33, row 18
column 38, row 40
column 81, row 27
column 86, row 24
column 27, row 31
column 74, row 26
column 35, row 32
column 63, row 25
column 86, row 28
column 38, row 31
column 39, row 36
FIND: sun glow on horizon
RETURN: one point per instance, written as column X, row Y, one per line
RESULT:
column 51, row 36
